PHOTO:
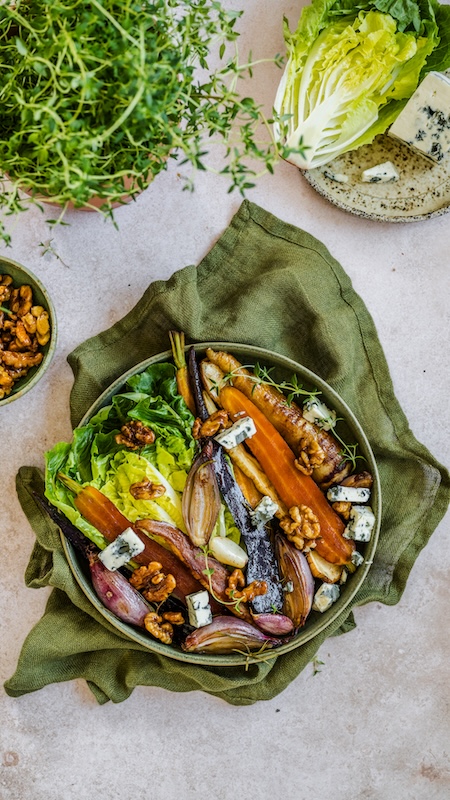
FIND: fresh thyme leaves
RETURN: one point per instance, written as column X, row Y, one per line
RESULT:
column 97, row 95
column 349, row 451
column 316, row 664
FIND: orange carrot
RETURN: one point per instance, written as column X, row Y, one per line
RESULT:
column 294, row 488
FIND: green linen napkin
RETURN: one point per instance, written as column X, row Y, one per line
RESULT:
column 272, row 285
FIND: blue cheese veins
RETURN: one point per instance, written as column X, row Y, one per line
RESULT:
column 360, row 526
column 199, row 610
column 337, row 177
column 348, row 494
column 380, row 173
column 326, row 595
column 424, row 123
column 121, row 550
column 240, row 431
column 264, row 511
column 317, row 412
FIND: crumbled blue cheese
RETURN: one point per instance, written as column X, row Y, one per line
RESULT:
column 348, row 494
column 337, row 177
column 424, row 123
column 361, row 523
column 264, row 511
column 199, row 609
column 241, row 430
column 357, row 559
column 121, row 550
column 317, row 412
column 380, row 173
column 326, row 595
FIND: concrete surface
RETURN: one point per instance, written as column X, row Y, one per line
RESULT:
column 373, row 724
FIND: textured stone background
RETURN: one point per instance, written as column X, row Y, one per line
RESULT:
column 374, row 723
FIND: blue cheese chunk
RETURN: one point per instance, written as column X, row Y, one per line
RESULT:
column 357, row 559
column 380, row 173
column 199, row 609
column 361, row 523
column 121, row 550
column 317, row 412
column 326, row 595
column 348, row 494
column 264, row 511
column 337, row 177
column 241, row 430
column 424, row 123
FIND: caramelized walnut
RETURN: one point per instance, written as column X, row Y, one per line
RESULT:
column 310, row 455
column 159, row 629
column 245, row 593
column 342, row 508
column 146, row 490
column 155, row 585
column 216, row 422
column 135, row 434
column 362, row 480
column 174, row 617
column 24, row 328
column 301, row 527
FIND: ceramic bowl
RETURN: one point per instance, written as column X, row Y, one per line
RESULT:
column 22, row 275
column 349, row 429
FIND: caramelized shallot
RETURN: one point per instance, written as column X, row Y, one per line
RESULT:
column 227, row 635
column 297, row 575
column 201, row 499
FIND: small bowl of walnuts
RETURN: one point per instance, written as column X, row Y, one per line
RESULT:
column 27, row 330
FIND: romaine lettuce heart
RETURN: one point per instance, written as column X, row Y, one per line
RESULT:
column 351, row 68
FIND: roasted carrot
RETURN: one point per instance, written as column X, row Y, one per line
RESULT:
column 184, row 387
column 286, row 417
column 294, row 488
column 247, row 487
column 101, row 512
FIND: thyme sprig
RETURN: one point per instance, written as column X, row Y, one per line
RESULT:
column 97, row 95
column 260, row 374
column 208, row 572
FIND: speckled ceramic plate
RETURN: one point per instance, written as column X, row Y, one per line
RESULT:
column 350, row 430
column 422, row 191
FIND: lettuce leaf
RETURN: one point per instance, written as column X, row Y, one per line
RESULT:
column 94, row 457
column 352, row 66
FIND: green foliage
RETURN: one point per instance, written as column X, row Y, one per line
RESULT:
column 96, row 94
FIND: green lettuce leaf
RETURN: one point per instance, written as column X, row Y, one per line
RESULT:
column 352, row 66
column 94, row 457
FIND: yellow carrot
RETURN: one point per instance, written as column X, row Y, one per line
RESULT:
column 183, row 385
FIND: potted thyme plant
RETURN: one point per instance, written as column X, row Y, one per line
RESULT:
column 97, row 94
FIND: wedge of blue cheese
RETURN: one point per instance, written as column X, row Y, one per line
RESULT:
column 241, row 430
column 380, row 173
column 424, row 123
column 348, row 494
column 361, row 524
column 326, row 595
column 121, row 550
column 317, row 412
column 199, row 609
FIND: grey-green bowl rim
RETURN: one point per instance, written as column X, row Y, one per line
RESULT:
column 354, row 582
column 43, row 366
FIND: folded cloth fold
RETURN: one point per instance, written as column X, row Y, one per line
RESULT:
column 272, row 285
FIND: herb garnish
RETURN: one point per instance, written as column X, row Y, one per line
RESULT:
column 98, row 94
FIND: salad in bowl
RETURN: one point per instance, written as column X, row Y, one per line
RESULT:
column 218, row 503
